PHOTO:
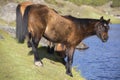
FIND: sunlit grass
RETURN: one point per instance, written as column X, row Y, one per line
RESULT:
column 3, row 22
column 90, row 12
column 17, row 64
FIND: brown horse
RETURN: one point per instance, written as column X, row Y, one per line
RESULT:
column 39, row 20
column 59, row 48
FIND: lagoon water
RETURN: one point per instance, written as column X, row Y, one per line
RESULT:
column 102, row 60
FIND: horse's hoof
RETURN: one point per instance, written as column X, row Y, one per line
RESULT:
column 38, row 63
column 29, row 44
column 70, row 74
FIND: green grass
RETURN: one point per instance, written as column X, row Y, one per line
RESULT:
column 115, row 3
column 16, row 63
column 51, row 1
column 3, row 22
column 90, row 12
column 90, row 2
column 3, row 2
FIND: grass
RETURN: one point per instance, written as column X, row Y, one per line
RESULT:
column 90, row 12
column 3, row 22
column 97, row 14
column 115, row 3
column 3, row 2
column 84, row 11
column 51, row 1
column 16, row 63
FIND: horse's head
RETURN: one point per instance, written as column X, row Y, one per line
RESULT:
column 102, row 28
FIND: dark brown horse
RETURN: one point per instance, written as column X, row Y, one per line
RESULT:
column 59, row 48
column 39, row 20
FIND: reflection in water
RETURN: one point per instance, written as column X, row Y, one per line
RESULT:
column 102, row 60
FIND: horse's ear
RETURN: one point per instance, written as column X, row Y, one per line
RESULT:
column 108, row 21
column 101, row 18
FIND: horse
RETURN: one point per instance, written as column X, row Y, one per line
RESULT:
column 59, row 48
column 42, row 21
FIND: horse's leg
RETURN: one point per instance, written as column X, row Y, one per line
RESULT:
column 51, row 47
column 63, row 61
column 49, row 44
column 69, row 54
column 34, row 43
column 29, row 40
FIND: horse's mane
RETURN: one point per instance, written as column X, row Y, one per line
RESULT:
column 82, row 19
column 75, row 18
column 55, row 11
column 38, row 5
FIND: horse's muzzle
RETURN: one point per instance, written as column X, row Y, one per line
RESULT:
column 105, row 39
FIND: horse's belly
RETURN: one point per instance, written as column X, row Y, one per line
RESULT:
column 53, row 36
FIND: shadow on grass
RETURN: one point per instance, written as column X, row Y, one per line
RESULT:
column 42, row 51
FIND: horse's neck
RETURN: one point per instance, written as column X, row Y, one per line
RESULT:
column 89, row 30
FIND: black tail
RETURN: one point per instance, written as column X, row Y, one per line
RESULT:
column 22, row 24
column 18, row 23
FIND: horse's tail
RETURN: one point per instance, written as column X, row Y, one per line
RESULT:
column 23, row 29
column 25, row 23
column 18, row 23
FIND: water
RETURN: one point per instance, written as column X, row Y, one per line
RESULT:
column 102, row 60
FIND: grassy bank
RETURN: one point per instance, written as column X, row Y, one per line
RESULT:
column 115, row 3
column 84, row 10
column 89, row 2
column 3, row 2
column 16, row 63
column 5, row 23
column 90, row 12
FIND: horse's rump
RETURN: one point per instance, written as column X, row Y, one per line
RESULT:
column 24, row 5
